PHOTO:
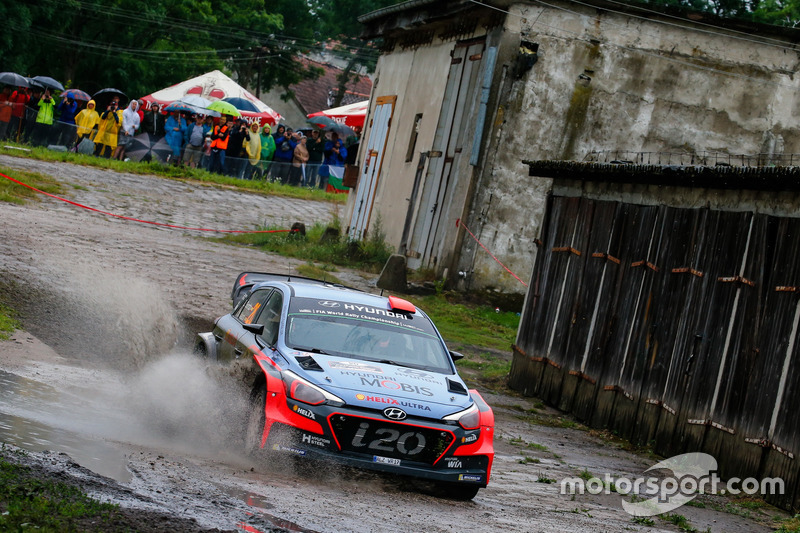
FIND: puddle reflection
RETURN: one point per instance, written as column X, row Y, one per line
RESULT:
column 33, row 416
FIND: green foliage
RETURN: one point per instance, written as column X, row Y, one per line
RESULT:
column 8, row 322
column 30, row 503
column 144, row 45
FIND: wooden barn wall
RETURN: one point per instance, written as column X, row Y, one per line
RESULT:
column 676, row 328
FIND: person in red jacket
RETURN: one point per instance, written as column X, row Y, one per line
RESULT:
column 19, row 99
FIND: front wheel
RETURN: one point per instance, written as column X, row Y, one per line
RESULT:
column 256, row 420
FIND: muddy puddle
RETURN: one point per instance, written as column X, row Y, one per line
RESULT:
column 35, row 417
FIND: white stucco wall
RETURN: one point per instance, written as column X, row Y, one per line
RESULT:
column 418, row 78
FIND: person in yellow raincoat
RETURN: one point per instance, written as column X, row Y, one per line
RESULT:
column 108, row 129
column 86, row 120
column 253, row 149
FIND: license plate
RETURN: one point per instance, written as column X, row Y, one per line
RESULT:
column 385, row 460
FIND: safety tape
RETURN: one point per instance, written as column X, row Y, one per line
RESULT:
column 459, row 223
column 173, row 226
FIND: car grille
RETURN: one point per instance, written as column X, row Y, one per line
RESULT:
column 383, row 438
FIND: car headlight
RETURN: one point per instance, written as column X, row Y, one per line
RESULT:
column 469, row 418
column 301, row 390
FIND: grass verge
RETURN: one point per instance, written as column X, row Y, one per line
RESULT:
column 8, row 322
column 30, row 503
column 17, row 194
column 171, row 172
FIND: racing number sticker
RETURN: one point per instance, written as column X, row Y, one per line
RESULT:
column 388, row 440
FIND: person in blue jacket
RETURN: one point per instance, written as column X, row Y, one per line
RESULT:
column 284, row 153
column 176, row 130
column 65, row 130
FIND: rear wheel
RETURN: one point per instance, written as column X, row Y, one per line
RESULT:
column 256, row 420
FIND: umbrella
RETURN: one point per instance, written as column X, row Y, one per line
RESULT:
column 195, row 100
column 226, row 108
column 33, row 84
column 242, row 104
column 328, row 124
column 352, row 115
column 104, row 96
column 48, row 83
column 181, row 107
column 77, row 94
column 13, row 79
column 146, row 146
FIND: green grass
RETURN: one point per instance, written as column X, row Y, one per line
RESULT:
column 679, row 520
column 369, row 254
column 789, row 525
column 31, row 504
column 171, row 172
column 461, row 323
column 8, row 323
column 18, row 194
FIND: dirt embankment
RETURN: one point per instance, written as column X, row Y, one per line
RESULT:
column 101, row 372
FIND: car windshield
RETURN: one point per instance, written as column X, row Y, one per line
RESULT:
column 366, row 333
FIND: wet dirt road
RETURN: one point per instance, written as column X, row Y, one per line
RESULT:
column 101, row 373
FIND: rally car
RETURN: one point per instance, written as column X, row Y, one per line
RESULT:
column 358, row 378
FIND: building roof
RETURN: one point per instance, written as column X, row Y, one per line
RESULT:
column 317, row 95
column 764, row 178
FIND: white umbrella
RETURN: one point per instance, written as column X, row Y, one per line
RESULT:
column 195, row 100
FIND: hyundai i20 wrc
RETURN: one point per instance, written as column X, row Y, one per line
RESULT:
column 358, row 378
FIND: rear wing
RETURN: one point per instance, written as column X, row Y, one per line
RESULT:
column 245, row 281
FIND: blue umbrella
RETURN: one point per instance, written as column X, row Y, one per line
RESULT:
column 242, row 104
column 180, row 107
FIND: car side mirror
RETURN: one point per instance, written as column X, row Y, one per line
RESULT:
column 455, row 356
column 256, row 329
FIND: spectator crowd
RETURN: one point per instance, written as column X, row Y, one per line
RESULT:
column 227, row 144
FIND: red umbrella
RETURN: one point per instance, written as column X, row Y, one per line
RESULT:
column 77, row 94
column 351, row 115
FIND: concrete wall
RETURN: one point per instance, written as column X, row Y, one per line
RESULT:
column 605, row 81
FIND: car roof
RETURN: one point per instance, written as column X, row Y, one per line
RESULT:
column 305, row 289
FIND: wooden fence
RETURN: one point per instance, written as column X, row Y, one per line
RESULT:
column 675, row 327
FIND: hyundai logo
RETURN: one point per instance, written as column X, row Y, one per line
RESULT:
column 394, row 413
column 328, row 303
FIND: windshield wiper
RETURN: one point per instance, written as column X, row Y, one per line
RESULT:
column 311, row 350
column 390, row 362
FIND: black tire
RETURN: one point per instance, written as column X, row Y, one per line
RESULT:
column 457, row 491
column 256, row 420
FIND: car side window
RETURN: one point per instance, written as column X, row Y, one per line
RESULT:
column 270, row 317
column 248, row 312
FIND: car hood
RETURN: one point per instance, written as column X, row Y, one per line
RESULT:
column 380, row 385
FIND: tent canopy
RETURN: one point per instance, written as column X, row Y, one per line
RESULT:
column 214, row 86
column 351, row 115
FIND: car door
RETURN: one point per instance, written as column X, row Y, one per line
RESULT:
column 267, row 314
column 236, row 339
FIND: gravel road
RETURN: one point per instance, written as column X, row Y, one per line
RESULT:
column 100, row 388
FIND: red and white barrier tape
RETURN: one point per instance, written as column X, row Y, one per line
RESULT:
column 173, row 226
